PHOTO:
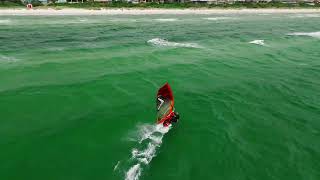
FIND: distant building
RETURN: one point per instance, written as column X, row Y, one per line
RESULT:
column 61, row 1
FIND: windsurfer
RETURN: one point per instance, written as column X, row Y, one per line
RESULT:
column 165, row 106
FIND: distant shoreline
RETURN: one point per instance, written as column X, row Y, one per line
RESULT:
column 147, row 11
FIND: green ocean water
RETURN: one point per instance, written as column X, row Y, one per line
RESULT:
column 77, row 97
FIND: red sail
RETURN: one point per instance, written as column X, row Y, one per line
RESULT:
column 166, row 92
column 165, row 103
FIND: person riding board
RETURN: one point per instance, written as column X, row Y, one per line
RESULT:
column 163, row 107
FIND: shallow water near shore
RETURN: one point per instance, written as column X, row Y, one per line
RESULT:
column 77, row 97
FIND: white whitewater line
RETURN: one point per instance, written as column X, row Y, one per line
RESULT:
column 164, row 43
column 166, row 20
column 152, row 134
column 258, row 42
column 305, row 16
column 122, row 20
column 83, row 20
column 311, row 34
column 8, row 59
column 107, row 11
column 4, row 21
column 217, row 18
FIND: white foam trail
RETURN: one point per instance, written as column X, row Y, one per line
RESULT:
column 143, row 155
column 311, row 34
column 167, row 20
column 133, row 173
column 165, row 43
column 155, row 139
column 258, row 42
column 145, row 132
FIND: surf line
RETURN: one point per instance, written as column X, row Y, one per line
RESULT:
column 150, row 139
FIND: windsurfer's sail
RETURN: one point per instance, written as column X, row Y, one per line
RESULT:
column 165, row 103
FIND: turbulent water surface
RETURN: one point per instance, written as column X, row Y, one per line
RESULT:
column 77, row 97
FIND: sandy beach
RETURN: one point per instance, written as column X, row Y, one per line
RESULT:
column 73, row 11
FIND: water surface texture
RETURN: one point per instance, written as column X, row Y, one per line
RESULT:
column 77, row 97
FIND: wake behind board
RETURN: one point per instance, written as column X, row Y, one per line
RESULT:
column 165, row 106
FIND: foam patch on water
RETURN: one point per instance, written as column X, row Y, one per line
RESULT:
column 149, row 138
column 258, row 42
column 311, row 34
column 165, row 43
column 167, row 20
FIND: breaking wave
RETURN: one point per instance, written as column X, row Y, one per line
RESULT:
column 7, row 59
column 311, row 34
column 167, row 20
column 83, row 20
column 305, row 16
column 258, row 42
column 165, row 43
column 122, row 20
column 149, row 139
column 217, row 18
column 4, row 21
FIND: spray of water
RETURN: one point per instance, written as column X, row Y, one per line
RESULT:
column 149, row 139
